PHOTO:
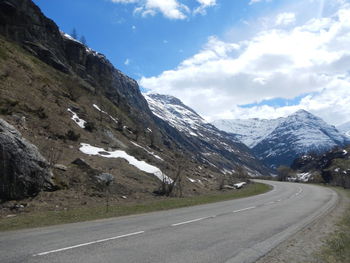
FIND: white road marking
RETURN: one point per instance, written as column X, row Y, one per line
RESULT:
column 244, row 209
column 191, row 221
column 88, row 243
column 300, row 191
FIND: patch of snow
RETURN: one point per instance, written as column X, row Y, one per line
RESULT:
column 148, row 129
column 195, row 180
column 345, row 152
column 239, row 185
column 304, row 177
column 141, row 165
column 149, row 152
column 81, row 123
column 98, row 108
column 336, row 170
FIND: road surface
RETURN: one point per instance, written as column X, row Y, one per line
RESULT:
column 240, row 230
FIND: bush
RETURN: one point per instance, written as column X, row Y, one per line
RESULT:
column 90, row 126
column 71, row 135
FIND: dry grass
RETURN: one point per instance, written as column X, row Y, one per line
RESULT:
column 40, row 219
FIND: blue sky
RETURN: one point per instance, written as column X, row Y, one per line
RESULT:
column 224, row 58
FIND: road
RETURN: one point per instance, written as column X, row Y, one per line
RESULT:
column 240, row 230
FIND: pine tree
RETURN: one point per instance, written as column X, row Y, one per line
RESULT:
column 74, row 34
column 83, row 40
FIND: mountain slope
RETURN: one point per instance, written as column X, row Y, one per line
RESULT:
column 217, row 148
column 249, row 131
column 87, row 118
column 344, row 128
column 281, row 140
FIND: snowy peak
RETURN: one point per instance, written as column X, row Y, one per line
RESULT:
column 280, row 141
column 177, row 114
column 249, row 131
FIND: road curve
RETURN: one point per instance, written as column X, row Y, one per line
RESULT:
column 240, row 230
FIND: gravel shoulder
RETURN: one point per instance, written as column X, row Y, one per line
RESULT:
column 306, row 245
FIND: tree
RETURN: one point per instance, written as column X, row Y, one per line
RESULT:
column 284, row 172
column 74, row 34
column 83, row 40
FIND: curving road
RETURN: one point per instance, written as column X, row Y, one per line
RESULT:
column 232, row 231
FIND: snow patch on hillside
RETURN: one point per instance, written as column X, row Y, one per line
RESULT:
column 141, row 165
column 81, row 123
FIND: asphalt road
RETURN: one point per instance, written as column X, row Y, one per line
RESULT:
column 231, row 231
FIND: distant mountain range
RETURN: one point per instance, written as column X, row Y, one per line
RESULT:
column 279, row 141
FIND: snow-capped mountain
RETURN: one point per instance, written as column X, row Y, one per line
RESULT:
column 249, row 131
column 280, row 141
column 215, row 147
column 344, row 128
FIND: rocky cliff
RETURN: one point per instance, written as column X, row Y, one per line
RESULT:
column 24, row 171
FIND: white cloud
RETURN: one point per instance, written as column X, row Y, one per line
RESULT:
column 204, row 4
column 171, row 9
column 313, row 57
column 127, row 62
column 252, row 2
column 285, row 19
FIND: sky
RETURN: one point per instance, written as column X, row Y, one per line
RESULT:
column 226, row 59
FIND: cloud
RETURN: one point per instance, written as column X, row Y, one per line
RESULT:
column 127, row 62
column 285, row 19
column 204, row 4
column 252, row 2
column 310, row 58
column 171, row 9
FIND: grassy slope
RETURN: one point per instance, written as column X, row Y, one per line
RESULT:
column 91, row 213
column 337, row 247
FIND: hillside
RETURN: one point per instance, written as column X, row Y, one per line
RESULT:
column 88, row 120
column 331, row 167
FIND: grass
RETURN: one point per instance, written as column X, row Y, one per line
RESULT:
column 337, row 247
column 40, row 219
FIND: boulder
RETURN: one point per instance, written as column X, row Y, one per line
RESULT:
column 105, row 178
column 24, row 172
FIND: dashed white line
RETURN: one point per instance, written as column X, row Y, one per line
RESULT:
column 191, row 221
column 88, row 243
column 244, row 209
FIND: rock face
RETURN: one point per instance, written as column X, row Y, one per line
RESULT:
column 23, row 170
column 23, row 22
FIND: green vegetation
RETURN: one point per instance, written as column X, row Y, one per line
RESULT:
column 40, row 219
column 337, row 247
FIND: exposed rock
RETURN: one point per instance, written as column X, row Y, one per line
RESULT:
column 81, row 162
column 60, row 167
column 105, row 178
column 24, row 171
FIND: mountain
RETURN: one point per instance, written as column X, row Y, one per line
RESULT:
column 344, row 128
column 90, row 124
column 279, row 141
column 249, row 131
column 219, row 149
